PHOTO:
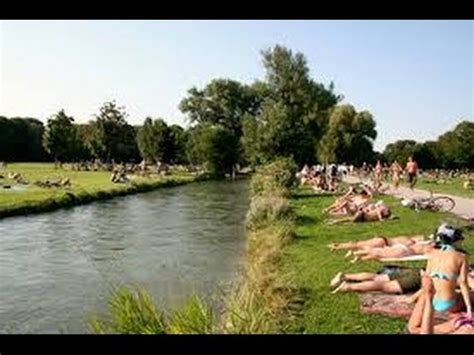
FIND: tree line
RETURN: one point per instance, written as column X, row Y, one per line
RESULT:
column 288, row 114
column 452, row 150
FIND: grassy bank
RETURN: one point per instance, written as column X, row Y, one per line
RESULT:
column 312, row 265
column 452, row 187
column 86, row 187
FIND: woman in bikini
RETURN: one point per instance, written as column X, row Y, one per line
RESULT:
column 447, row 268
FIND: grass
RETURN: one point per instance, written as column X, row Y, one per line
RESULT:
column 133, row 311
column 452, row 187
column 86, row 186
column 312, row 265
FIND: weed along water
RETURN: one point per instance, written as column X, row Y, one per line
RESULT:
column 58, row 268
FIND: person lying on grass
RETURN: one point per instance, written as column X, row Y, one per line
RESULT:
column 350, row 203
column 396, row 251
column 380, row 242
column 447, row 268
column 392, row 280
column 370, row 213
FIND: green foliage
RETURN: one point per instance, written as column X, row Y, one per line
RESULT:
column 21, row 139
column 155, row 141
column 179, row 137
column 349, row 137
column 60, row 138
column 293, row 111
column 112, row 137
column 400, row 151
column 130, row 313
column 194, row 317
column 133, row 311
column 274, row 179
column 266, row 210
column 212, row 146
column 457, row 146
column 453, row 149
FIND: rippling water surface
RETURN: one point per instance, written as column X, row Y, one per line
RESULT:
column 56, row 269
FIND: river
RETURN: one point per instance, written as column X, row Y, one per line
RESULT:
column 57, row 269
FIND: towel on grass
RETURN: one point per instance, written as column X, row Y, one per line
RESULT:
column 390, row 305
column 406, row 258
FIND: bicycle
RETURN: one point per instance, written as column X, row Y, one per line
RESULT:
column 432, row 203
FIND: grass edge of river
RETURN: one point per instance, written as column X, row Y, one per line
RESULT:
column 71, row 199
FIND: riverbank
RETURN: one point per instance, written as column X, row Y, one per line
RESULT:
column 86, row 187
column 312, row 265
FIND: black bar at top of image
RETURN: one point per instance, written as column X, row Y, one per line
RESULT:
column 230, row 11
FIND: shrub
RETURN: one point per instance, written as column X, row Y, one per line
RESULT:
column 276, row 178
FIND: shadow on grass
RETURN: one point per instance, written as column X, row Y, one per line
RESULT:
column 305, row 195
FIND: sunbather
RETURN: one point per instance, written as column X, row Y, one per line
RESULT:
column 370, row 213
column 350, row 203
column 393, row 280
column 399, row 250
column 379, row 242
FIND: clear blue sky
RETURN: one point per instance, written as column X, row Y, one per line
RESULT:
column 416, row 77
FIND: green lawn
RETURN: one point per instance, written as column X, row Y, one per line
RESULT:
column 83, row 182
column 452, row 187
column 312, row 265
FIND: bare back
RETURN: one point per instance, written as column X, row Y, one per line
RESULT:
column 447, row 262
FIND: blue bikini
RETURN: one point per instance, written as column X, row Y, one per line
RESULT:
column 441, row 305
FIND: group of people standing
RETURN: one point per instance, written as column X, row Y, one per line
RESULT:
column 395, row 170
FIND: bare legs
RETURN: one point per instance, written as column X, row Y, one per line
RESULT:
column 365, row 282
column 422, row 318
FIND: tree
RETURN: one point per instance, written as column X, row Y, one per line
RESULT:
column 457, row 146
column 293, row 110
column 208, row 144
column 21, row 139
column 154, row 140
column 400, row 150
column 60, row 137
column 349, row 137
column 112, row 137
column 223, row 102
column 178, row 139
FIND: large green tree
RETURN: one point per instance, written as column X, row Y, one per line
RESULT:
column 60, row 137
column 112, row 137
column 21, row 139
column 293, row 110
column 154, row 140
column 208, row 145
column 457, row 146
column 349, row 136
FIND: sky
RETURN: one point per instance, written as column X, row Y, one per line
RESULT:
column 415, row 77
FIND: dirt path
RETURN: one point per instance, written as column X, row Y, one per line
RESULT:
column 464, row 206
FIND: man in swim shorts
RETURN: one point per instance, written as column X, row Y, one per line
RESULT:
column 412, row 170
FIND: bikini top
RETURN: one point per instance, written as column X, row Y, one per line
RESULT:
column 443, row 275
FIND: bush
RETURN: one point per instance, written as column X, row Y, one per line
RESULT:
column 276, row 178
column 266, row 210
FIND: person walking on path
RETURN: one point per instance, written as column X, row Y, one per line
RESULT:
column 412, row 170
column 396, row 170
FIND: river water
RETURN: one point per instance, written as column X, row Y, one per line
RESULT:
column 57, row 269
